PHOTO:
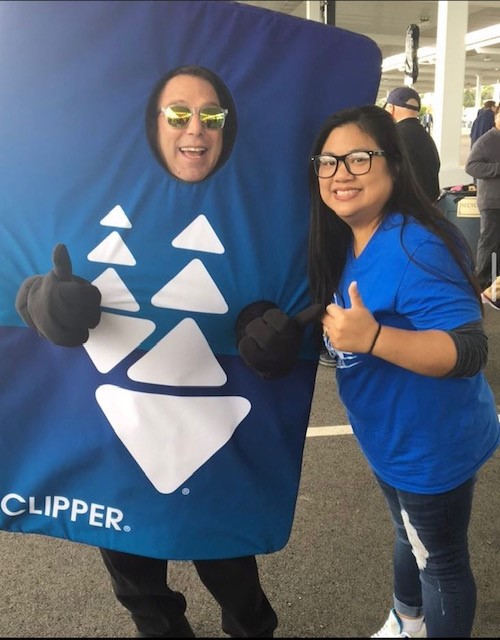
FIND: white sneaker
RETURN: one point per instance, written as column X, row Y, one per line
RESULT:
column 491, row 295
column 393, row 628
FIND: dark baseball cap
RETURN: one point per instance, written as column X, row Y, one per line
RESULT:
column 404, row 97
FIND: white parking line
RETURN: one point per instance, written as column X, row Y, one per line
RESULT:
column 339, row 430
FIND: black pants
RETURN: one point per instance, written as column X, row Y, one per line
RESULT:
column 488, row 243
column 140, row 585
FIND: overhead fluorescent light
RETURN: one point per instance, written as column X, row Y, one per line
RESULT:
column 427, row 55
column 483, row 43
column 482, row 36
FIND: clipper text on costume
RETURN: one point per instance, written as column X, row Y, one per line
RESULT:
column 96, row 515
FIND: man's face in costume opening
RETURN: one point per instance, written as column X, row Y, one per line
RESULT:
column 192, row 151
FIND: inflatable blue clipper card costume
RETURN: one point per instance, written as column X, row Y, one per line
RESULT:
column 154, row 437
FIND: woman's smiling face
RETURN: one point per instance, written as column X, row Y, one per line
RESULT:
column 358, row 200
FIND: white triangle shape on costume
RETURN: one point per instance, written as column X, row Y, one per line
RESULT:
column 116, row 218
column 199, row 236
column 192, row 289
column 114, row 292
column 182, row 358
column 112, row 250
column 170, row 437
column 114, row 338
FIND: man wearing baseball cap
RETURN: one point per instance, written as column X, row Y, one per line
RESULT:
column 403, row 103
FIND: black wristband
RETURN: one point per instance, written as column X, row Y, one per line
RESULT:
column 377, row 333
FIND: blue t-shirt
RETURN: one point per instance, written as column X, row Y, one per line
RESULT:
column 419, row 433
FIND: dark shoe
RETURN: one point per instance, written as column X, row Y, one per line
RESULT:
column 269, row 634
column 181, row 630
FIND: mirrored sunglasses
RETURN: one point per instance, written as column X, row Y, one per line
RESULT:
column 179, row 116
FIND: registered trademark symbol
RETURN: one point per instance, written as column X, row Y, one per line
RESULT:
column 185, row 491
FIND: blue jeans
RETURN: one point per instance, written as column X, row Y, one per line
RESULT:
column 432, row 572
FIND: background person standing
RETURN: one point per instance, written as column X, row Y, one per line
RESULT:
column 483, row 164
column 484, row 121
column 404, row 104
column 427, row 121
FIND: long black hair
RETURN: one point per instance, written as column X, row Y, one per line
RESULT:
column 225, row 99
column 330, row 236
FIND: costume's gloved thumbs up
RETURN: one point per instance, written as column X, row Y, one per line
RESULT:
column 269, row 340
column 60, row 306
column 63, row 269
column 310, row 314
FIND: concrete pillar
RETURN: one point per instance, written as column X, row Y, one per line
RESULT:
column 496, row 92
column 479, row 84
column 313, row 10
column 449, row 89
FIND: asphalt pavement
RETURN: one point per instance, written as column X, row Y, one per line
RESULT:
column 332, row 580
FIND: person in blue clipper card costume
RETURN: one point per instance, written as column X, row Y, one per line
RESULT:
column 151, row 439
column 191, row 147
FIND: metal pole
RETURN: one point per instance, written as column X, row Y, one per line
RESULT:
column 328, row 11
column 493, row 276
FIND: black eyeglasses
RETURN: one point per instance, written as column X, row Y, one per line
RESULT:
column 179, row 116
column 357, row 163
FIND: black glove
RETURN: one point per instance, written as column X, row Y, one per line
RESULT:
column 268, row 340
column 60, row 306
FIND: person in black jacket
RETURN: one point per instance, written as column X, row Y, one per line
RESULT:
column 403, row 103
column 484, row 121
